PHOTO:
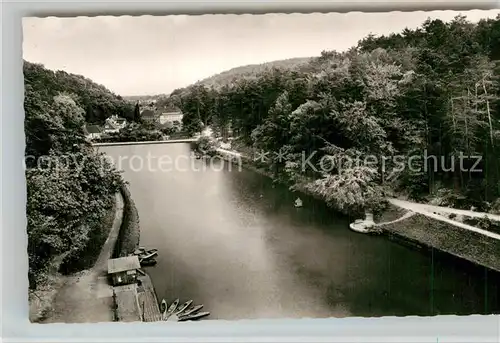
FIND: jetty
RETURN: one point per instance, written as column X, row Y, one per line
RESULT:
column 147, row 300
column 126, row 306
column 133, row 292
column 134, row 295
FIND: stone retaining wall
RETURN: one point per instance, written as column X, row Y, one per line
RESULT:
column 128, row 239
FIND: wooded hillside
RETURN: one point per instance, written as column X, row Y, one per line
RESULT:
column 70, row 187
column 229, row 76
column 418, row 100
column 97, row 101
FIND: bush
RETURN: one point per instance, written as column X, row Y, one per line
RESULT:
column 495, row 207
column 448, row 198
column 69, row 194
column 99, row 232
column 206, row 146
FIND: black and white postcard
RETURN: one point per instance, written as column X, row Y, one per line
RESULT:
column 228, row 167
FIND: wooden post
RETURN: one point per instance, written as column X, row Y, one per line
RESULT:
column 489, row 113
column 143, row 311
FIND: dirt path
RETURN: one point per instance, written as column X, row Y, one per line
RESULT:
column 432, row 208
column 86, row 297
column 429, row 210
column 406, row 215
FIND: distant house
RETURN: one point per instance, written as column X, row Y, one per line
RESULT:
column 148, row 115
column 93, row 132
column 114, row 124
column 174, row 118
column 110, row 128
column 122, row 122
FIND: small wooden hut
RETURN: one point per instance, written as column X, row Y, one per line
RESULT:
column 123, row 270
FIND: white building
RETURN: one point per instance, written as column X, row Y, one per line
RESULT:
column 174, row 118
column 114, row 124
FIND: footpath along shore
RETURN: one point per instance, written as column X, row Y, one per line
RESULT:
column 425, row 226
column 429, row 228
column 86, row 297
column 168, row 141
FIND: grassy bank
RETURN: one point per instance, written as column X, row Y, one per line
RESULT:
column 426, row 232
column 128, row 239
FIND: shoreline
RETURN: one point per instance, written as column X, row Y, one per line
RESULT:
column 415, row 231
column 74, row 292
column 423, row 232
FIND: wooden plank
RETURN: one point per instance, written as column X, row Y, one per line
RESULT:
column 148, row 301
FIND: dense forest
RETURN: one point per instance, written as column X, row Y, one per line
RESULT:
column 409, row 96
column 135, row 98
column 70, row 187
column 229, row 76
column 96, row 100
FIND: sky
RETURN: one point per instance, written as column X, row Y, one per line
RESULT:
column 147, row 55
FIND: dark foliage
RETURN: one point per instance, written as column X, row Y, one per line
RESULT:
column 432, row 91
column 70, row 186
column 96, row 100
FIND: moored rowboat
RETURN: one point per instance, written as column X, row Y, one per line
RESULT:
column 194, row 316
column 193, row 310
column 150, row 262
column 144, row 251
column 148, row 256
column 171, row 309
column 184, row 306
column 163, row 306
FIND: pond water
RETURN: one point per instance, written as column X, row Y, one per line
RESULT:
column 234, row 242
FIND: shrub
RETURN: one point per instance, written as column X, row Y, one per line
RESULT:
column 206, row 145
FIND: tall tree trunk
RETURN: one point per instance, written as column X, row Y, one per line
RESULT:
column 453, row 116
column 430, row 174
column 489, row 114
column 467, row 143
column 487, row 164
column 457, row 174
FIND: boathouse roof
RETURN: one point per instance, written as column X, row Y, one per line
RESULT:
column 122, row 264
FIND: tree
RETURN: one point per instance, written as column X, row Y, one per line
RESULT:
column 69, row 194
column 99, row 102
column 137, row 113
column 432, row 90
column 349, row 187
